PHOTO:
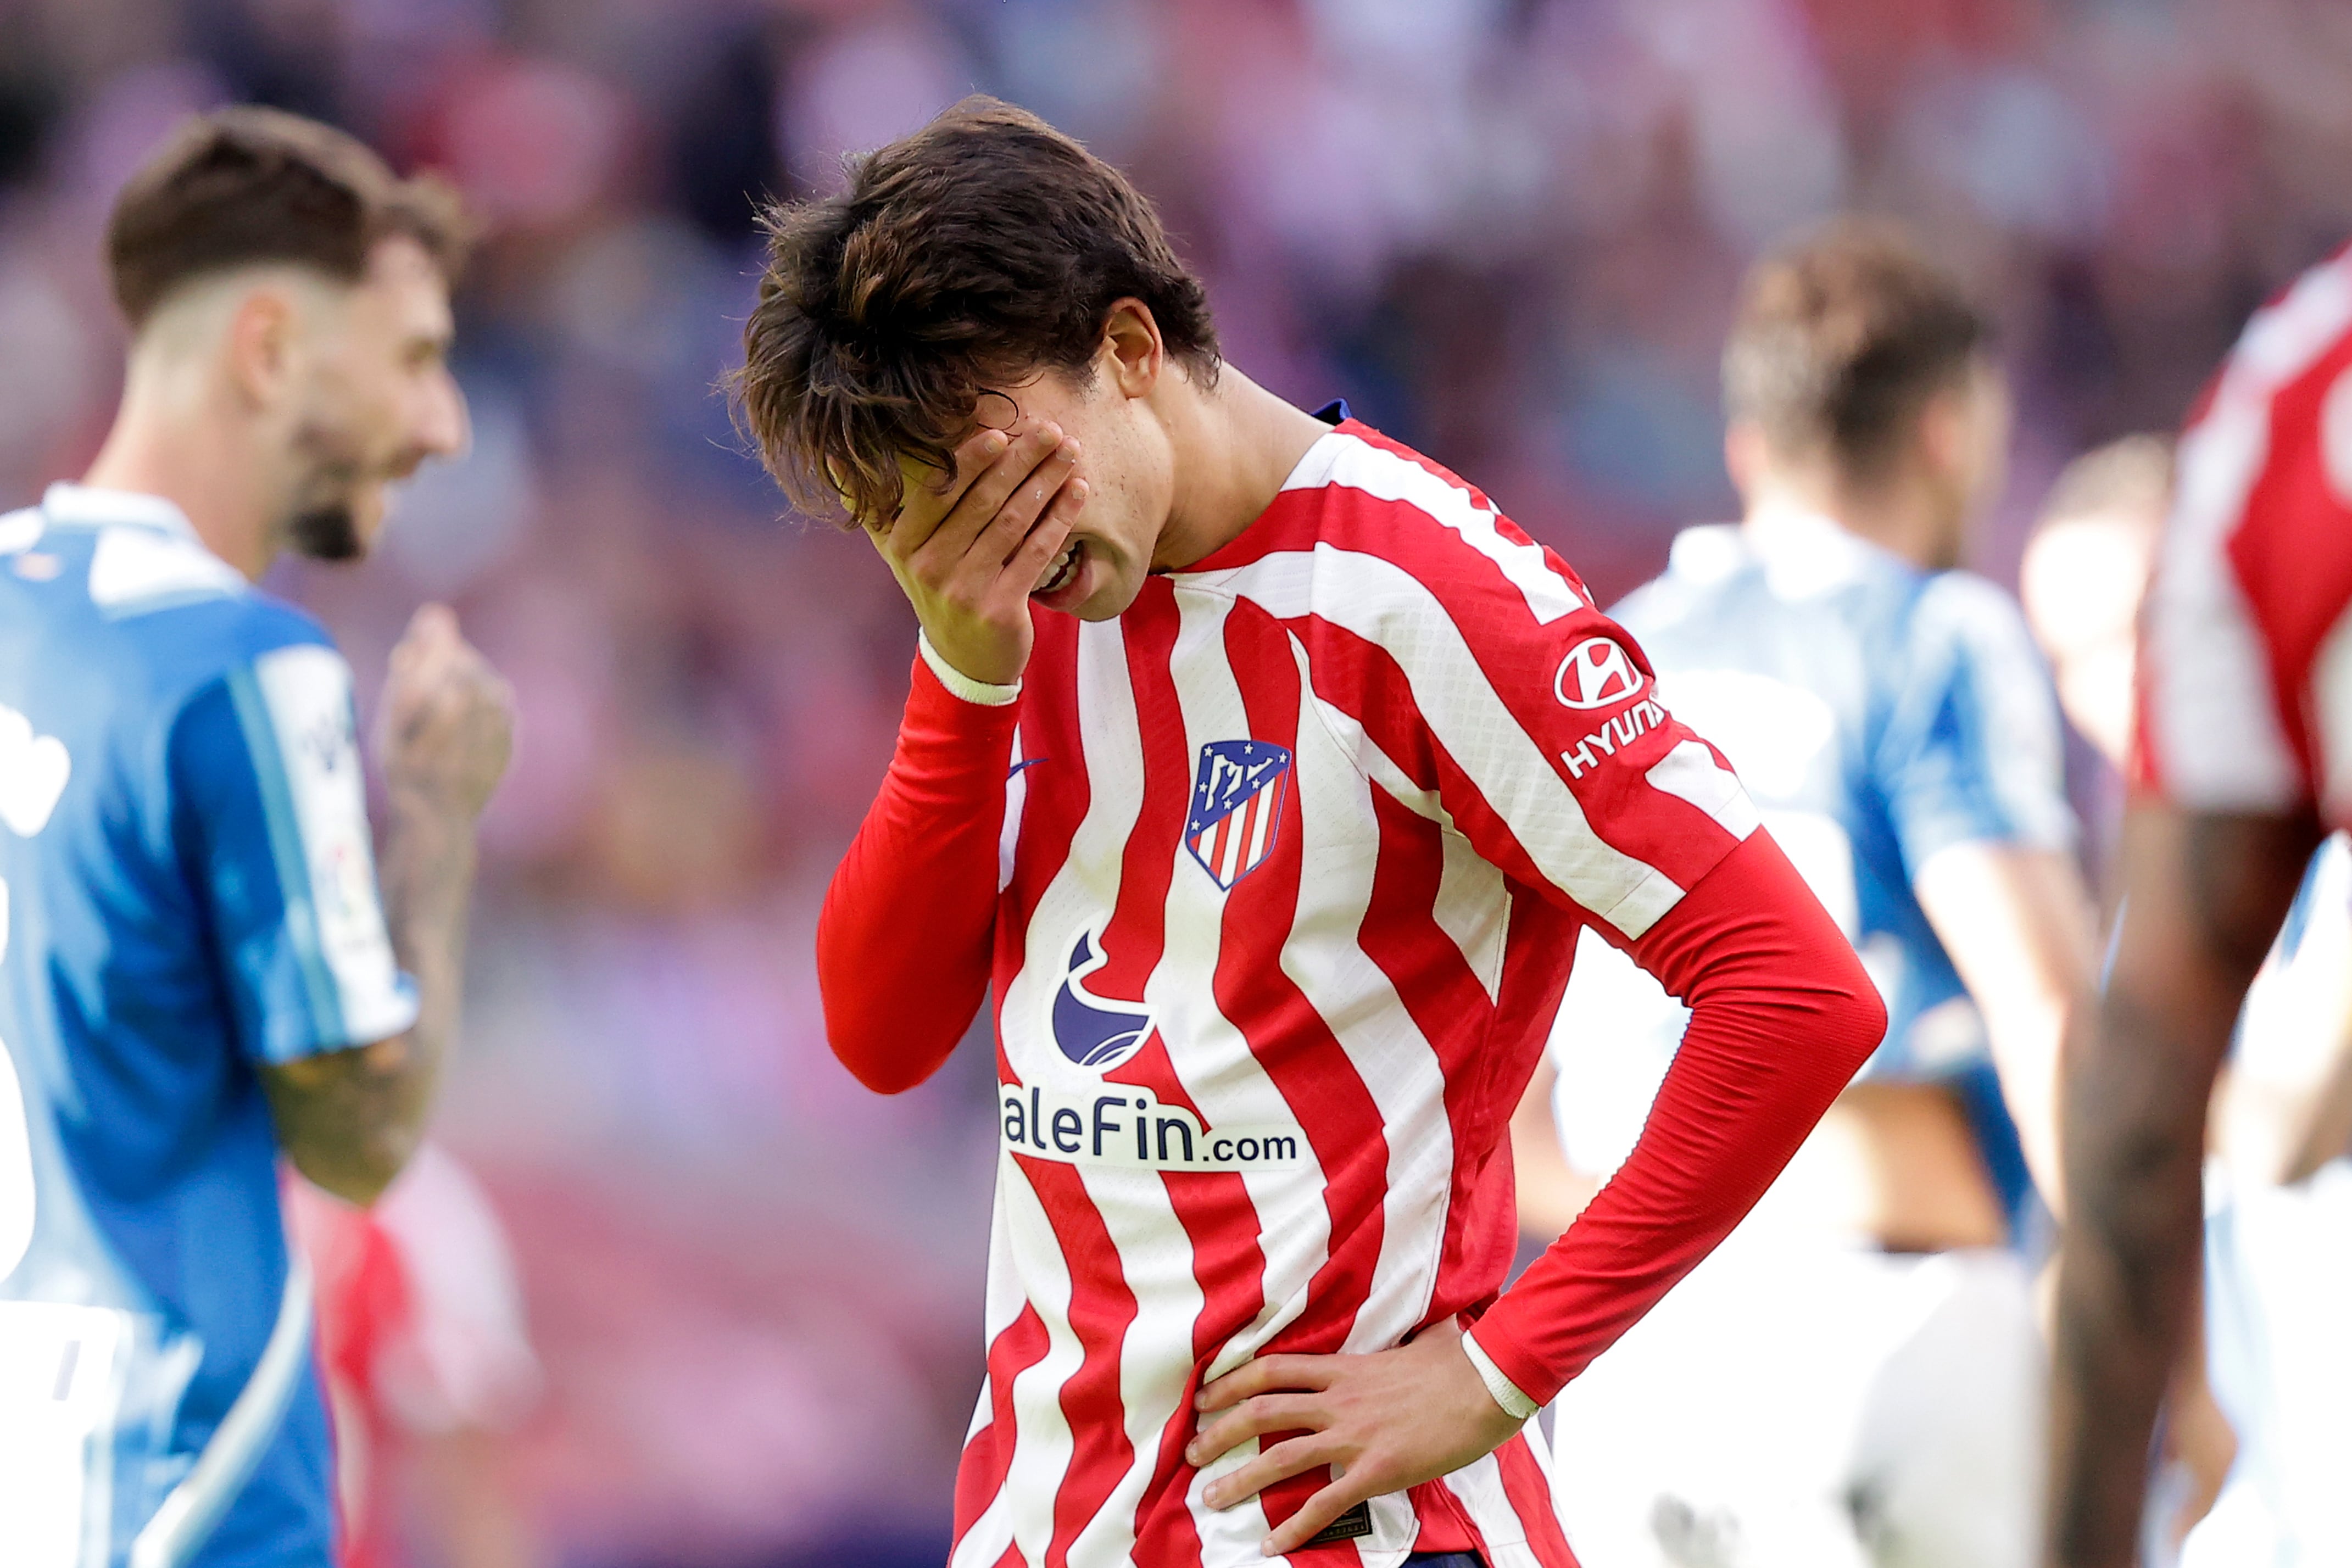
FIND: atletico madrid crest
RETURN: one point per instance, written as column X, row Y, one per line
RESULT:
column 1237, row 797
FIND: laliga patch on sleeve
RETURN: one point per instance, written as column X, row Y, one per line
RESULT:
column 307, row 691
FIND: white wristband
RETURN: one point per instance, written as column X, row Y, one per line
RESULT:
column 961, row 685
column 1515, row 1404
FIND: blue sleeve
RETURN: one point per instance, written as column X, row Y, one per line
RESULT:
column 1972, row 752
column 270, row 816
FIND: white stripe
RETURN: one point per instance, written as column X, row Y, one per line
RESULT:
column 191, row 1510
column 1355, row 464
column 1016, row 796
column 1479, row 1486
column 1026, row 1252
column 1690, row 772
column 1042, row 1440
column 1156, row 1359
column 1339, row 838
column 2215, row 728
column 1219, row 1070
column 1385, row 604
column 1473, row 904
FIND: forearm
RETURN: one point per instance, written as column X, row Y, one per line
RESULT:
column 2127, row 1284
column 351, row 1119
column 1782, row 1017
column 902, row 943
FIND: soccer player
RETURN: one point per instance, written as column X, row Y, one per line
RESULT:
column 195, row 970
column 1857, row 1376
column 2240, row 767
column 1267, row 773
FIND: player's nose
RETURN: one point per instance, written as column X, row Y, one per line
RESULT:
column 445, row 425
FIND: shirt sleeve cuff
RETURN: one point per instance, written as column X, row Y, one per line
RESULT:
column 1515, row 1404
column 963, row 685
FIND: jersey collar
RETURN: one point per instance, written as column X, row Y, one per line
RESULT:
column 68, row 503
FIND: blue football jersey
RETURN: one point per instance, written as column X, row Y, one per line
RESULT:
column 1877, row 713
column 187, row 893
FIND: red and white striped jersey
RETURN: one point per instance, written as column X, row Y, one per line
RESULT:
column 1295, row 853
column 2246, row 654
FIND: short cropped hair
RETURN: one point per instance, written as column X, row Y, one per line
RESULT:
column 245, row 185
column 1841, row 337
column 959, row 260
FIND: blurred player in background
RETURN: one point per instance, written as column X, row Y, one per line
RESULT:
column 1856, row 1377
column 2238, row 767
column 428, row 1365
column 1268, row 773
column 2083, row 573
column 196, row 972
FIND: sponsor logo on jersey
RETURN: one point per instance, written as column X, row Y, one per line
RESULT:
column 1124, row 1125
column 1597, row 673
column 1098, row 1032
column 1621, row 731
column 1238, row 792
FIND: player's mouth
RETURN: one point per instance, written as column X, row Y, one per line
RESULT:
column 1063, row 572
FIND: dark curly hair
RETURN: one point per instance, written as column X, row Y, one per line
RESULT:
column 960, row 260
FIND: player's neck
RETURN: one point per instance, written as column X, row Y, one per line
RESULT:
column 183, row 450
column 1906, row 519
column 1233, row 445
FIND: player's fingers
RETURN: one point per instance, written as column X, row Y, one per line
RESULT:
column 944, row 548
column 1268, row 1373
column 928, row 498
column 1285, row 1460
column 1019, row 516
column 1034, row 561
column 1252, row 1418
column 1315, row 1515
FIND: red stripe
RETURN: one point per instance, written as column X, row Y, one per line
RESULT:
column 1294, row 1046
column 1102, row 1309
column 2290, row 550
column 1213, row 1207
column 988, row 1455
column 1531, row 1498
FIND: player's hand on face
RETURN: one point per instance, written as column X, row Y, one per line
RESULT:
column 1381, row 1421
column 445, row 727
column 967, row 552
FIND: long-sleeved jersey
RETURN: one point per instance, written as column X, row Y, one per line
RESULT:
column 1278, row 878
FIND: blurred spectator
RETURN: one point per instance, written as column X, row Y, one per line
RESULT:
column 1507, row 229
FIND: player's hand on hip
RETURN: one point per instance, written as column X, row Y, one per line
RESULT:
column 446, row 724
column 1379, row 1423
column 969, row 552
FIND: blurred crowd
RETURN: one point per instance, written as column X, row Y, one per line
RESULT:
column 1506, row 230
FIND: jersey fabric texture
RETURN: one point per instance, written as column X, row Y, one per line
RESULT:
column 186, row 892
column 1878, row 714
column 1277, row 879
column 2246, row 660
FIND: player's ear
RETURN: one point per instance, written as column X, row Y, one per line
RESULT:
column 1133, row 355
column 260, row 344
column 1745, row 456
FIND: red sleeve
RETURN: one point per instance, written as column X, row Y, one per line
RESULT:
column 1781, row 1017
column 902, row 945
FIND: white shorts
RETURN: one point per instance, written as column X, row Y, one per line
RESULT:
column 1800, row 1404
column 2278, row 1313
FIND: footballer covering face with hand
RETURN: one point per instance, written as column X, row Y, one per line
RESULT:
column 1266, row 775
